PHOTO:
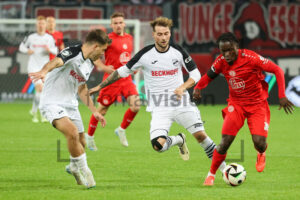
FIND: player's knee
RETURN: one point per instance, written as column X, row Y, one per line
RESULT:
column 260, row 144
column 158, row 143
column 72, row 134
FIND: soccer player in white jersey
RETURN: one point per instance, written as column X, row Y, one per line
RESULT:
column 67, row 75
column 168, row 100
column 38, row 46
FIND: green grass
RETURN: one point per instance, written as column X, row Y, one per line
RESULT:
column 29, row 167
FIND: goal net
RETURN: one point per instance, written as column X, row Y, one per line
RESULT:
column 13, row 69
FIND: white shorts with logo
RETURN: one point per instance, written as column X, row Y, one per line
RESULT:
column 53, row 112
column 188, row 117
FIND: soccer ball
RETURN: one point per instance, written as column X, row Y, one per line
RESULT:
column 234, row 174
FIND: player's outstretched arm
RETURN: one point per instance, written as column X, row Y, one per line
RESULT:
column 113, row 77
column 286, row 105
column 83, row 93
column 101, row 66
column 48, row 67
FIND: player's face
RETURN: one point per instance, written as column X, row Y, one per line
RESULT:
column 50, row 24
column 118, row 25
column 162, row 36
column 98, row 51
column 229, row 50
column 41, row 26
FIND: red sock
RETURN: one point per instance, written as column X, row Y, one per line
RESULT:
column 92, row 126
column 128, row 118
column 216, row 161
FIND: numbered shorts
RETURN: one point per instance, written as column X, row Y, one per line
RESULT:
column 109, row 94
column 53, row 112
column 258, row 118
column 188, row 117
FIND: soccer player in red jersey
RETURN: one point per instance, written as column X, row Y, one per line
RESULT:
column 116, row 55
column 57, row 35
column 248, row 93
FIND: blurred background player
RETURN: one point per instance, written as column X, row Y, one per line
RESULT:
column 38, row 46
column 57, row 35
column 116, row 55
column 293, row 91
column 168, row 99
column 248, row 93
column 67, row 77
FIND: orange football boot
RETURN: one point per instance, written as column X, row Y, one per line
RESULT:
column 261, row 161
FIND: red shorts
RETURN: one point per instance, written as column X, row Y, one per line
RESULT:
column 258, row 118
column 109, row 94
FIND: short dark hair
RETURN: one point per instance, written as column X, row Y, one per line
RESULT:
column 99, row 36
column 227, row 37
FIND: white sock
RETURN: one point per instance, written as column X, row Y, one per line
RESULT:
column 36, row 102
column 210, row 174
column 89, row 137
column 208, row 145
column 121, row 129
column 175, row 140
column 222, row 166
column 80, row 161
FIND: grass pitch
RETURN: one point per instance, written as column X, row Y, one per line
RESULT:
column 29, row 168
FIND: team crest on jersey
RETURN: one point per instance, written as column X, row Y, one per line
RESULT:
column 125, row 46
column 266, row 128
column 175, row 62
column 232, row 73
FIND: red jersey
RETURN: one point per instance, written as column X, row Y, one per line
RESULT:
column 58, row 37
column 245, row 78
column 118, row 53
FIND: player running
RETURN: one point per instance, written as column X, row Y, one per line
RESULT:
column 116, row 55
column 248, row 93
column 67, row 77
column 168, row 100
column 57, row 35
column 38, row 46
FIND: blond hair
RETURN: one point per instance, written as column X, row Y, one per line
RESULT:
column 41, row 17
column 117, row 14
column 161, row 21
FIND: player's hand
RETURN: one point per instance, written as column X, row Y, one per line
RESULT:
column 197, row 94
column 35, row 76
column 179, row 92
column 94, row 90
column 110, row 69
column 287, row 105
column 47, row 48
column 29, row 52
column 100, row 118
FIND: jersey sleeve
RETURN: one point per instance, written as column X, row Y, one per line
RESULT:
column 212, row 73
column 52, row 47
column 136, row 62
column 269, row 66
column 68, row 53
column 188, row 63
column 124, row 71
column 24, row 46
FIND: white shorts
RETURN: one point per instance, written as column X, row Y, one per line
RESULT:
column 53, row 112
column 188, row 117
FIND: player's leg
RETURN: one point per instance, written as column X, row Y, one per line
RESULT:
column 159, row 127
column 233, row 120
column 81, row 163
column 128, row 90
column 36, row 100
column 92, row 128
column 258, row 122
column 106, row 97
column 190, row 119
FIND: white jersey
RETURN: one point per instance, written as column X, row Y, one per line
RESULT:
column 61, row 84
column 162, row 74
column 37, row 44
column 293, row 91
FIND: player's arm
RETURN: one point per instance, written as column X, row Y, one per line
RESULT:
column 271, row 67
column 100, row 65
column 24, row 46
column 83, row 93
column 52, row 64
column 113, row 77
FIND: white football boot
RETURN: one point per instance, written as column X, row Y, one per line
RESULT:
column 183, row 149
column 122, row 136
column 90, row 142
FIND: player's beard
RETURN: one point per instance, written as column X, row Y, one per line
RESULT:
column 164, row 47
